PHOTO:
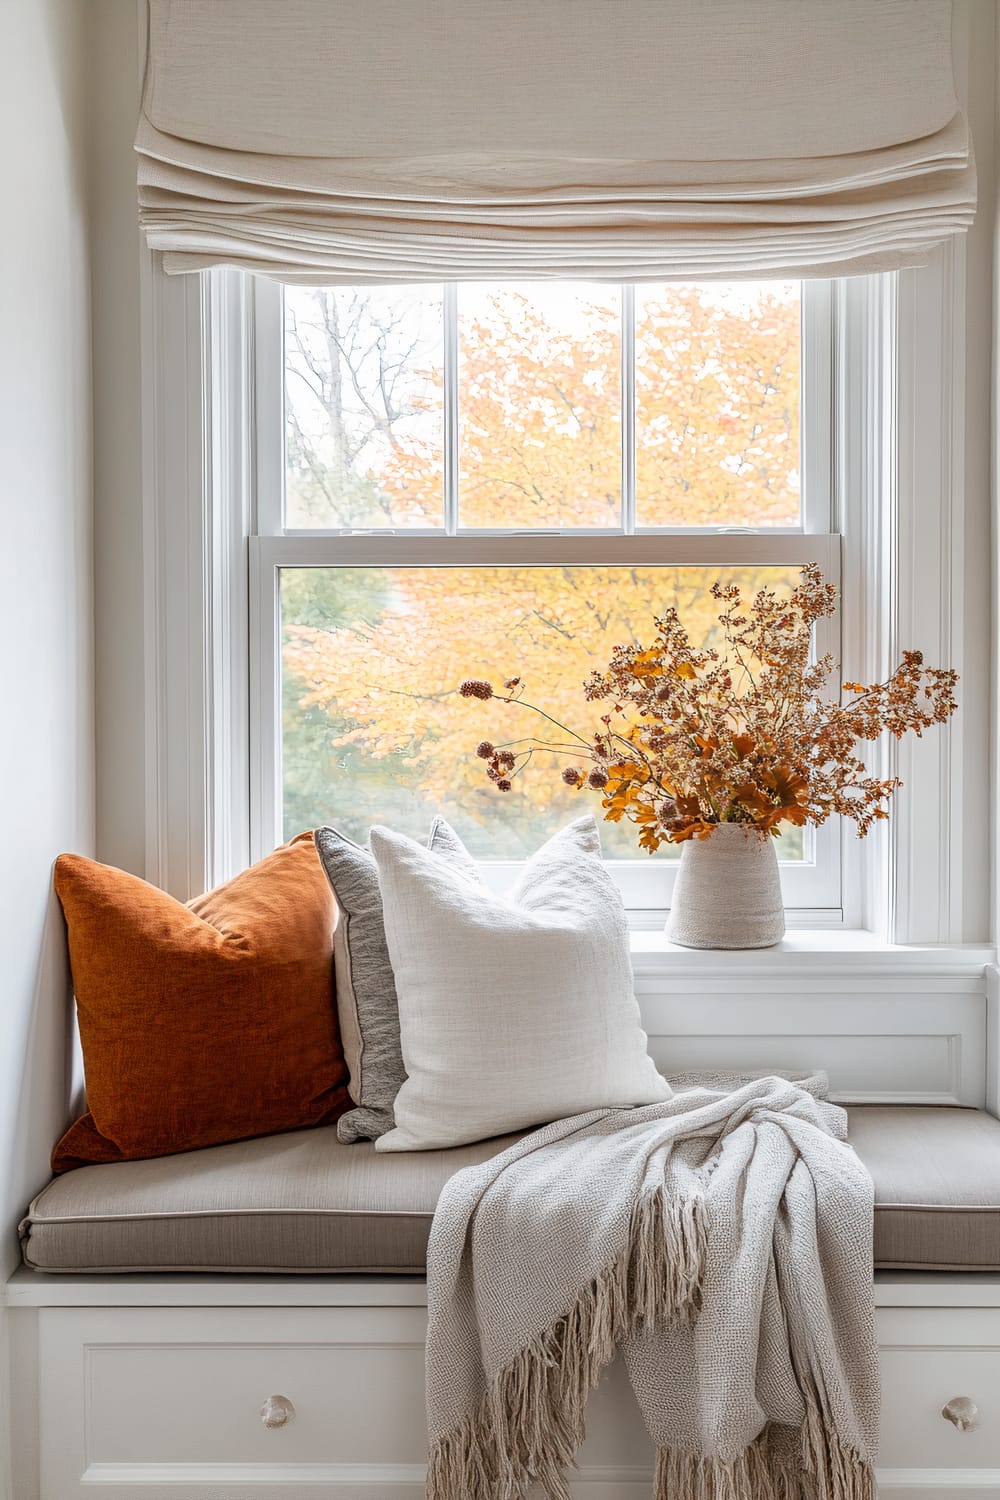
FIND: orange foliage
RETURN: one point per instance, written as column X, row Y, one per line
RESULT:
column 694, row 737
column 717, row 440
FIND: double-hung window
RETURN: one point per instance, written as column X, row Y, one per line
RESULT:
column 509, row 480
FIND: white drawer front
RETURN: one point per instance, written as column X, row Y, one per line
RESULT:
column 165, row 1404
column 138, row 1399
column 253, row 1403
column 928, row 1358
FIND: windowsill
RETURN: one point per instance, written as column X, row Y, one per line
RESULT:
column 813, row 951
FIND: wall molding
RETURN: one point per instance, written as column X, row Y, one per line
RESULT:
column 928, row 545
column 391, row 1481
column 947, row 1480
column 992, row 976
column 594, row 1482
column 29, row 1290
column 196, row 333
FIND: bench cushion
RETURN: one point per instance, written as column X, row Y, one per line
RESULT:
column 937, row 1185
column 304, row 1202
column 283, row 1203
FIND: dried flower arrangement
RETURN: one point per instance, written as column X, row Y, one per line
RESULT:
column 694, row 738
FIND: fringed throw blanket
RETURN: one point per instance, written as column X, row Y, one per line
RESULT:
column 721, row 1241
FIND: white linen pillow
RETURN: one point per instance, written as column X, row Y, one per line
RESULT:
column 514, row 1010
column 366, row 993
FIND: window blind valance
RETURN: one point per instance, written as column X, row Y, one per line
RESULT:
column 329, row 141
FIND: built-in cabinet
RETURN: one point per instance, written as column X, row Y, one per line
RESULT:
column 188, row 1387
column 290, row 1389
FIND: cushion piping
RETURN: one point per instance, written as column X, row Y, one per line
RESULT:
column 33, row 1221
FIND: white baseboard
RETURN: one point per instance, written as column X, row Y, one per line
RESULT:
column 939, row 1484
column 367, row 1481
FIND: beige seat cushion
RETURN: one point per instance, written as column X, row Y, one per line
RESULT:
column 283, row 1203
column 303, row 1202
column 937, row 1185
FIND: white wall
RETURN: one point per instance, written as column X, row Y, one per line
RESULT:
column 71, row 570
column 46, row 649
column 114, row 43
column 46, row 589
column 973, row 613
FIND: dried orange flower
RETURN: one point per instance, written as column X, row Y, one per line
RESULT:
column 692, row 738
column 475, row 687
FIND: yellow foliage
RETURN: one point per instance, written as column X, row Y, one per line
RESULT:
column 717, row 443
column 775, row 748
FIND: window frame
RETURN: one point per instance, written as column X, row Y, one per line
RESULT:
column 812, row 887
column 898, row 394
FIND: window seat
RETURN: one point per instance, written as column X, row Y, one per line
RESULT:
column 133, row 1387
column 304, row 1203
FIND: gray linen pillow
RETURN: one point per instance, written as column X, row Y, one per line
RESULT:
column 366, row 990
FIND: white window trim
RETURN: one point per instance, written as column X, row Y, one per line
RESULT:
column 900, row 352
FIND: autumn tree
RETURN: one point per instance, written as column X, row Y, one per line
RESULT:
column 353, row 389
column 717, row 385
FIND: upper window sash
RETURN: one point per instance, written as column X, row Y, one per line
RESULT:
column 816, row 435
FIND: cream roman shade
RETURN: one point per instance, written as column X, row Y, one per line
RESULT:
column 403, row 140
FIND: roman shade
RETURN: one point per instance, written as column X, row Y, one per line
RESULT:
column 327, row 141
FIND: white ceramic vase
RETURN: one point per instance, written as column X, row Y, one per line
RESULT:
column 727, row 893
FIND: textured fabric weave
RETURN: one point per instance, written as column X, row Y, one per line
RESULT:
column 301, row 1202
column 515, row 1009
column 937, row 1185
column 378, row 140
column 305, row 1202
column 721, row 1241
column 201, row 1023
column 366, row 989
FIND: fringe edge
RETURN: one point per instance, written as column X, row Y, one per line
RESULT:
column 769, row 1469
column 530, row 1424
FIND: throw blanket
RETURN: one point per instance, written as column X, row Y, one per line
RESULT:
column 722, row 1241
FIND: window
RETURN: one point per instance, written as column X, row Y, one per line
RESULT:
column 509, row 480
column 893, row 498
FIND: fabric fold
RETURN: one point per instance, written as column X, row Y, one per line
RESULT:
column 377, row 141
column 720, row 1241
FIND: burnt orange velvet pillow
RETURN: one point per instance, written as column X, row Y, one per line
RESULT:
column 201, row 1023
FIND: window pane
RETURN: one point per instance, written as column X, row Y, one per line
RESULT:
column 375, row 731
column 363, row 407
column 539, row 405
column 717, row 404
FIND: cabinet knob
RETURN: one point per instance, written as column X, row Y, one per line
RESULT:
column 276, row 1411
column 962, row 1411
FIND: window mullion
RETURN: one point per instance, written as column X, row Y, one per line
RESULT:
column 816, row 406
column 628, row 409
column 450, row 435
column 266, row 335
